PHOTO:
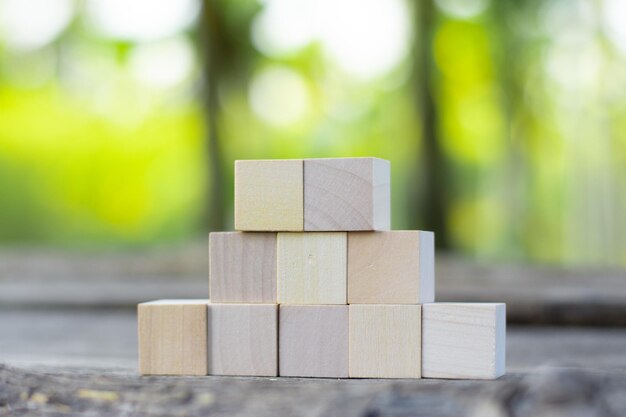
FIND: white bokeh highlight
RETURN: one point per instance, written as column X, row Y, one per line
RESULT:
column 141, row 20
column 163, row 64
column 31, row 24
column 365, row 38
column 279, row 96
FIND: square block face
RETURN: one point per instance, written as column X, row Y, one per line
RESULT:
column 396, row 267
column 269, row 195
column 173, row 337
column 242, row 267
column 463, row 340
column 385, row 341
column 243, row 339
column 312, row 268
column 347, row 194
column 313, row 341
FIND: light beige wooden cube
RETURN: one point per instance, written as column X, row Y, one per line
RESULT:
column 269, row 195
column 393, row 267
column 173, row 337
column 463, row 340
column 243, row 339
column 313, row 341
column 242, row 267
column 342, row 194
column 385, row 341
column 312, row 268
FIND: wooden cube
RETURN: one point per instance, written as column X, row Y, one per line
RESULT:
column 312, row 268
column 342, row 194
column 385, row 341
column 173, row 337
column 242, row 267
column 269, row 195
column 243, row 339
column 463, row 340
column 313, row 341
column 395, row 267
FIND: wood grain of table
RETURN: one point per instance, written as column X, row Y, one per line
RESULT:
column 68, row 344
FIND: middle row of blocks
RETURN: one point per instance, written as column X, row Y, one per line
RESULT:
column 392, row 267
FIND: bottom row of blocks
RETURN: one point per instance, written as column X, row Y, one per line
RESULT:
column 439, row 340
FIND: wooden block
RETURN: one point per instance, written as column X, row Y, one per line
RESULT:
column 173, row 337
column 313, row 341
column 243, row 339
column 396, row 267
column 347, row 194
column 269, row 195
column 463, row 340
column 385, row 341
column 312, row 268
column 242, row 267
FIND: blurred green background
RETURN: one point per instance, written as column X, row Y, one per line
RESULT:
column 505, row 121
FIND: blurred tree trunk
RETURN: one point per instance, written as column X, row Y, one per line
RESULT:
column 211, row 42
column 510, row 64
column 431, row 170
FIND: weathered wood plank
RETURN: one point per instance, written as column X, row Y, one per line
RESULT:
column 533, row 294
column 546, row 392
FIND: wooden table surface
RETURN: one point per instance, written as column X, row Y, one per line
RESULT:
column 68, row 346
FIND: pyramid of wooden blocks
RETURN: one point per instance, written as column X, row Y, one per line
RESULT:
column 314, row 284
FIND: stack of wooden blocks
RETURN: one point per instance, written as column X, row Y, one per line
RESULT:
column 314, row 284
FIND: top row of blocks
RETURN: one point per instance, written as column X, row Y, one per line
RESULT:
column 322, row 195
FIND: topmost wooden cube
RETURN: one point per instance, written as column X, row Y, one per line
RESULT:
column 335, row 194
column 347, row 194
column 269, row 195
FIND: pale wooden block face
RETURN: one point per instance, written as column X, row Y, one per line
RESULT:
column 242, row 267
column 395, row 267
column 313, row 341
column 173, row 337
column 243, row 339
column 269, row 195
column 463, row 340
column 385, row 341
column 347, row 194
column 312, row 268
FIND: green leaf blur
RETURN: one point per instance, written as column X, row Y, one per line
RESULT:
column 106, row 137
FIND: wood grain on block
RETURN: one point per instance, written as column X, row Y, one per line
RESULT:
column 394, row 267
column 173, row 337
column 242, row 267
column 347, row 194
column 243, row 339
column 269, row 195
column 312, row 268
column 463, row 340
column 313, row 341
column 385, row 341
